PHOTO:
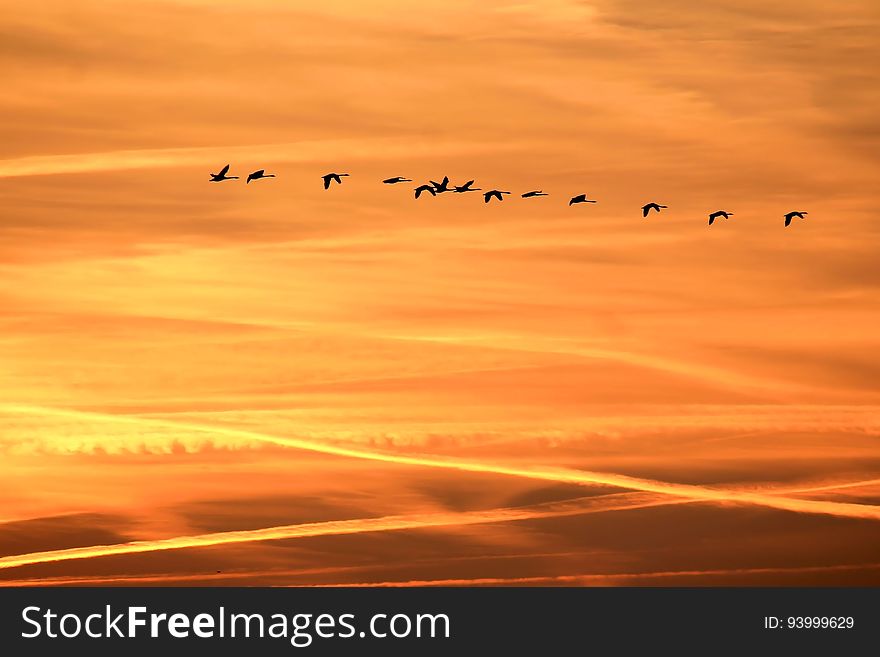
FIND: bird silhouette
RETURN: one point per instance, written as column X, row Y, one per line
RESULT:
column 791, row 215
column 580, row 198
column 425, row 188
column 220, row 177
column 488, row 196
column 646, row 209
column 534, row 193
column 460, row 189
column 719, row 213
column 441, row 187
column 395, row 180
column 256, row 175
column 333, row 177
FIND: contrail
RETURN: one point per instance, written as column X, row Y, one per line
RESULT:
column 103, row 580
column 601, row 579
column 585, row 578
column 577, row 506
column 559, row 475
column 304, row 151
column 613, row 502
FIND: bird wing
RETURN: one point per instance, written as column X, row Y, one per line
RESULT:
column 787, row 220
column 645, row 210
column 469, row 183
column 711, row 219
column 223, row 171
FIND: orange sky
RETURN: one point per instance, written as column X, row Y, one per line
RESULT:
column 294, row 386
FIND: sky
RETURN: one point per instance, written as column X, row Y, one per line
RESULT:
column 274, row 384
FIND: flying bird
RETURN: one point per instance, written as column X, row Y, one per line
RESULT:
column 467, row 187
column 333, row 177
column 256, row 175
column 441, row 187
column 425, row 188
column 646, row 209
column 719, row 213
column 534, row 193
column 220, row 177
column 580, row 198
column 395, row 180
column 791, row 215
column 488, row 196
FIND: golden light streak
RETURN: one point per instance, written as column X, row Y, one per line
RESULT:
column 559, row 475
column 596, row 578
column 295, row 152
column 579, row 506
column 607, row 579
column 339, row 527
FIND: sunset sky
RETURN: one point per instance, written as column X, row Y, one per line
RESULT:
column 273, row 384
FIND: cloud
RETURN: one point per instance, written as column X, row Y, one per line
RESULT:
column 215, row 156
column 337, row 527
column 559, row 475
column 637, row 578
column 570, row 507
column 513, row 343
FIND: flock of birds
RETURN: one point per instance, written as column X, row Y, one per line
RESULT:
column 433, row 188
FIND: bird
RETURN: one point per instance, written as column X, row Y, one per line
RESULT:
column 425, row 188
column 533, row 194
column 719, row 213
column 395, row 180
column 791, row 215
column 441, row 187
column 220, row 177
column 488, row 196
column 333, row 177
column 460, row 189
column 256, row 175
column 646, row 209
column 580, row 198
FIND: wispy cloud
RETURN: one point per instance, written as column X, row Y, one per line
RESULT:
column 559, row 475
column 217, row 156
column 332, row 528
column 614, row 579
column 357, row 339
column 579, row 506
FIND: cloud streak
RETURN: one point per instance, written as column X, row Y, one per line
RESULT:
column 611, row 579
column 294, row 152
column 578, row 506
column 357, row 526
column 558, row 475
